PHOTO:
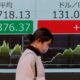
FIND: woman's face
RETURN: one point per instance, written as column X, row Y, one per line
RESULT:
column 44, row 46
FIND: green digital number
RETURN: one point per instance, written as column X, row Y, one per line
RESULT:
column 9, row 27
column 16, row 26
column 21, row 25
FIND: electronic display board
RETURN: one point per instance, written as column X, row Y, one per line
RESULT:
column 61, row 17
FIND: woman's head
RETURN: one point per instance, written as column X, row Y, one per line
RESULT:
column 41, row 39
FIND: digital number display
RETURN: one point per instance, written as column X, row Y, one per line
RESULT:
column 16, row 27
column 16, row 17
column 60, row 16
column 12, row 14
column 58, row 10
column 66, row 14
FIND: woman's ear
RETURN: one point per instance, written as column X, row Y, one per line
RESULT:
column 39, row 40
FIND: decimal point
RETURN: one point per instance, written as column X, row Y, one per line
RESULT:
column 16, row 30
column 16, row 17
column 71, row 17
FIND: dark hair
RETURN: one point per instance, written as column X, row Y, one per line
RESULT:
column 43, row 34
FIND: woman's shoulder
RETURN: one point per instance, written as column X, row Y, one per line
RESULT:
column 29, row 52
column 27, row 55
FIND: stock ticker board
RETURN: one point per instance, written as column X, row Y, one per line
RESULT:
column 61, row 17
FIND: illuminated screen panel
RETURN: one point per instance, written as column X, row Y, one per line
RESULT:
column 11, row 10
column 16, row 20
column 61, row 17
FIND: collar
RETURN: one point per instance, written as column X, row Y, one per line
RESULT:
column 37, row 52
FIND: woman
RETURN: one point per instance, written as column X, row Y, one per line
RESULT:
column 30, row 66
